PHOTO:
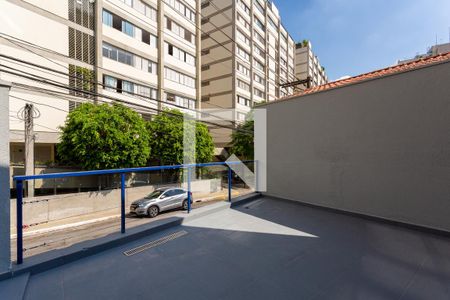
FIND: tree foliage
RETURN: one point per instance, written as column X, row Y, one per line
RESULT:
column 166, row 139
column 242, row 140
column 104, row 137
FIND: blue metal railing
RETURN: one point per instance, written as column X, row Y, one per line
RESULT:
column 20, row 179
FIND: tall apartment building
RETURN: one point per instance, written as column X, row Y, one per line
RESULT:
column 246, row 55
column 144, row 52
column 307, row 65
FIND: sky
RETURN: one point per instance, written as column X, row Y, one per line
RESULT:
column 352, row 37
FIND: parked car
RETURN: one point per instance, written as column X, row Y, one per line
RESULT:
column 160, row 200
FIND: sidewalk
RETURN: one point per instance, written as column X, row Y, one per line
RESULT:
column 110, row 214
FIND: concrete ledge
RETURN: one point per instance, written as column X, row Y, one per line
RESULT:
column 52, row 259
column 429, row 230
column 241, row 200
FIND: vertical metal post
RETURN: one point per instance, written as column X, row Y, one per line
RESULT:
column 229, row 183
column 122, row 203
column 189, row 188
column 19, row 200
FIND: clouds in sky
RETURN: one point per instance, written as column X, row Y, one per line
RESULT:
column 357, row 36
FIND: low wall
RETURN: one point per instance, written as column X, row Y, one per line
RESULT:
column 379, row 147
column 51, row 208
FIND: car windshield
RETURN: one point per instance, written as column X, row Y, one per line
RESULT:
column 154, row 194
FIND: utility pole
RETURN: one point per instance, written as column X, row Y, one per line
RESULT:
column 29, row 146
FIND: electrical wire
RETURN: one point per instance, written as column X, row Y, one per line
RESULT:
column 141, row 97
column 67, row 87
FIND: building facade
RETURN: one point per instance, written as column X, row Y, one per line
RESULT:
column 144, row 53
column 307, row 65
column 246, row 55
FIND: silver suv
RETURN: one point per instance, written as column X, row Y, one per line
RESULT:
column 160, row 200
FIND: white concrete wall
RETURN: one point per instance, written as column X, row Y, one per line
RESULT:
column 30, row 26
column 379, row 147
column 52, row 208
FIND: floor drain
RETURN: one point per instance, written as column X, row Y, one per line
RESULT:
column 155, row 243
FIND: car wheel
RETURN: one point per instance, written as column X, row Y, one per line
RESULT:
column 185, row 205
column 153, row 211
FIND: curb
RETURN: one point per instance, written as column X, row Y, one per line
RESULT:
column 55, row 258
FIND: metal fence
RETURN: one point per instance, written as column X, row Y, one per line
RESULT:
column 188, row 167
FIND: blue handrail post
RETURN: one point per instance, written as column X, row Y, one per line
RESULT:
column 229, row 184
column 122, row 202
column 19, row 216
column 189, row 188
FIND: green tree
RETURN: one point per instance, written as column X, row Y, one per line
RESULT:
column 242, row 140
column 166, row 139
column 104, row 137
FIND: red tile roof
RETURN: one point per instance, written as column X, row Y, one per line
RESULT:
column 371, row 75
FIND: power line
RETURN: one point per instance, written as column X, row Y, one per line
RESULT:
column 38, row 103
column 67, row 87
column 142, row 97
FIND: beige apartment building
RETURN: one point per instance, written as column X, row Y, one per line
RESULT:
column 246, row 55
column 144, row 52
column 308, row 67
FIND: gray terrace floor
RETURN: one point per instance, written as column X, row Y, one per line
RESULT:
column 267, row 249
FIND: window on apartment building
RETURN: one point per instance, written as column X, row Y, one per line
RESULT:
column 124, row 57
column 244, row 70
column 259, row 6
column 243, row 101
column 259, row 79
column 107, row 18
column 259, row 37
column 243, row 85
column 110, row 19
column 258, row 93
column 146, row 37
column 205, row 68
column 123, row 86
column 240, row 116
column 205, row 20
column 127, row 28
column 179, row 30
column 169, row 97
column 110, row 83
column 242, row 53
column 128, row 58
column 259, row 51
column 259, row 24
column 243, row 21
column 179, row 100
column 272, row 23
column 183, row 9
column 142, row 8
column 109, row 51
column 205, row 83
column 242, row 37
column 244, row 6
column 179, row 77
column 205, row 4
column 127, row 87
column 258, row 65
column 179, row 54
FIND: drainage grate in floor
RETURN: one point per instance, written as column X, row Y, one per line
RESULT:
column 155, row 243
